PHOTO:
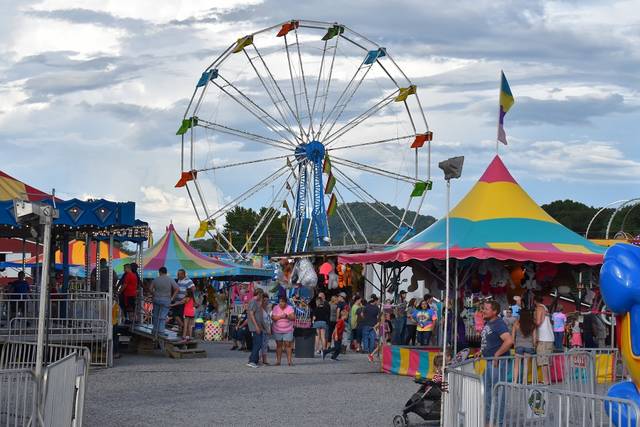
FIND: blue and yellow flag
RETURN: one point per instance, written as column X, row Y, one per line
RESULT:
column 506, row 101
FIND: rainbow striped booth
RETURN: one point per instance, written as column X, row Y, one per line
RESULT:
column 409, row 361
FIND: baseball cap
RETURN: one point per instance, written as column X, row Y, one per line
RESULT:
column 403, row 292
column 343, row 294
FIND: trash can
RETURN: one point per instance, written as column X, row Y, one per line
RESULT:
column 305, row 339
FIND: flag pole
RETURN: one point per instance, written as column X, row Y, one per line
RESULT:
column 498, row 127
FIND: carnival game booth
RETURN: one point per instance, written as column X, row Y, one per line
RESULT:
column 502, row 244
column 172, row 252
column 78, row 315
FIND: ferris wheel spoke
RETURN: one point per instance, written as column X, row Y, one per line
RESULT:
column 255, row 110
column 356, row 186
column 346, row 227
column 243, row 134
column 370, row 205
column 372, row 169
column 224, row 248
column 351, row 215
column 364, row 144
column 330, row 138
column 325, row 96
column 304, row 83
column 248, row 162
column 266, row 218
column 274, row 97
column 293, row 85
column 345, row 97
column 248, row 193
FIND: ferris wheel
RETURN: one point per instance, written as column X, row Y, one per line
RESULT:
column 305, row 118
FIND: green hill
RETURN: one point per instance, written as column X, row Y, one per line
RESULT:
column 375, row 227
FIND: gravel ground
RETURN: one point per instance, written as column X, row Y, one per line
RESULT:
column 222, row 391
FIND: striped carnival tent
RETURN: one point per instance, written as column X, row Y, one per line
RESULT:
column 174, row 253
column 11, row 188
column 497, row 219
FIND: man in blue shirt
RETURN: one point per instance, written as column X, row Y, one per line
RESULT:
column 19, row 286
column 496, row 341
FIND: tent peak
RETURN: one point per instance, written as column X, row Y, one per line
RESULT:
column 497, row 172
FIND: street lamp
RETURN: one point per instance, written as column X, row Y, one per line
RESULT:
column 36, row 214
column 452, row 169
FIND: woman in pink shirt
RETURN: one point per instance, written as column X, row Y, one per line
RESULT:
column 283, row 316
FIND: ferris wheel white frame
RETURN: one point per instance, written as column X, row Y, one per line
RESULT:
column 307, row 156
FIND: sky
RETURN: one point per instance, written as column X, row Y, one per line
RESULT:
column 92, row 93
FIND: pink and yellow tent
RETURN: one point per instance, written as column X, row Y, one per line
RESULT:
column 11, row 188
column 497, row 219
column 172, row 252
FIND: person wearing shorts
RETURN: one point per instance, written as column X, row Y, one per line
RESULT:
column 282, row 316
column 545, row 337
column 320, row 315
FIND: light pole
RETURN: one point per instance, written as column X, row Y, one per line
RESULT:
column 452, row 169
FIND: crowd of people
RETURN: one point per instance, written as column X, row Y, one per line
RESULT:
column 339, row 324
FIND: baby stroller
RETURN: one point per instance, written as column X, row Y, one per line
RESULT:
column 426, row 401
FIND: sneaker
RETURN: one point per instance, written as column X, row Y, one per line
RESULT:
column 335, row 359
column 234, row 347
column 252, row 365
column 323, row 355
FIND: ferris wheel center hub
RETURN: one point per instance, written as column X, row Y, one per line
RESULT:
column 313, row 151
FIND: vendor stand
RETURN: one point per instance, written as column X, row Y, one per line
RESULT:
column 502, row 243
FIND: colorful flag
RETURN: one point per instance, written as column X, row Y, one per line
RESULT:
column 331, row 182
column 506, row 101
column 333, row 204
column 326, row 167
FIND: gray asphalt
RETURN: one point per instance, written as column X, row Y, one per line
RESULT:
column 222, row 391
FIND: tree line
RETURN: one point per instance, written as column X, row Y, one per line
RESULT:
column 240, row 223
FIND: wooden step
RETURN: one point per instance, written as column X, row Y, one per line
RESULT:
column 182, row 352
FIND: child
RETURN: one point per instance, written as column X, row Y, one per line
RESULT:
column 576, row 336
column 190, row 305
column 425, row 318
column 336, row 337
column 382, row 331
column 559, row 320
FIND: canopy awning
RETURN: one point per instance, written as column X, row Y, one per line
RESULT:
column 174, row 253
column 497, row 219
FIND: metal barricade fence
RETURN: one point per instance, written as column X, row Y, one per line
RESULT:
column 76, row 318
column 63, row 386
column 572, row 371
column 64, row 390
column 608, row 364
column 22, row 355
column 519, row 405
column 17, row 389
column 464, row 402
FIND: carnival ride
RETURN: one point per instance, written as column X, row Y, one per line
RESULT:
column 297, row 91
